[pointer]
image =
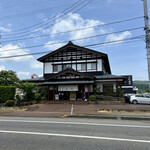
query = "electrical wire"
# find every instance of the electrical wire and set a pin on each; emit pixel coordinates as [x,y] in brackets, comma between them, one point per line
[51,51]
[111,23]
[131,29]
[136,40]
[45,22]
[136,37]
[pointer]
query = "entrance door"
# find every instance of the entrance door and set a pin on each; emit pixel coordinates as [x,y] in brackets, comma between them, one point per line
[73,96]
[51,95]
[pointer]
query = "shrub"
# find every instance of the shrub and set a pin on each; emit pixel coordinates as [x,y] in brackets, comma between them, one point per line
[18,97]
[108,92]
[43,98]
[97,91]
[37,96]
[119,93]
[42,90]
[6,93]
[9,103]
[28,89]
[92,98]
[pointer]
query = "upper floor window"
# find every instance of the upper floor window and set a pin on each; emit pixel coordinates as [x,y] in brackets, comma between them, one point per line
[91,66]
[79,66]
[57,68]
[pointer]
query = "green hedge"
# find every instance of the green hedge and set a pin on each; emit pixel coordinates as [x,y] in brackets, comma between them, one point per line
[9,103]
[7,93]
[92,98]
[37,96]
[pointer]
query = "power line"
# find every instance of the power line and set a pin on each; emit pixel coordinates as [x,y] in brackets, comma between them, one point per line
[73,39]
[51,51]
[136,40]
[45,22]
[116,22]
[131,29]
[102,43]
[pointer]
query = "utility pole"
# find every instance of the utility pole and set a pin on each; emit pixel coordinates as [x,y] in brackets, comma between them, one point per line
[147,36]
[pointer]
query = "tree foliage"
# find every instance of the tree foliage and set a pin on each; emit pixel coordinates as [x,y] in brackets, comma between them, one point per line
[8,78]
[28,89]
[141,85]
[7,93]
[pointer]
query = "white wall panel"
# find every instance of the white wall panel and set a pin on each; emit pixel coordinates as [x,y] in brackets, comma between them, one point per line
[48,67]
[99,65]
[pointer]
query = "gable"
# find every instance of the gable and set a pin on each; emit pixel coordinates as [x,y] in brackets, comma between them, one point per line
[70,73]
[71,52]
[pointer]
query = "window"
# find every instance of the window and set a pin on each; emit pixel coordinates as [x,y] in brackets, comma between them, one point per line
[66,66]
[91,66]
[74,66]
[138,95]
[78,66]
[57,68]
[147,96]
[83,67]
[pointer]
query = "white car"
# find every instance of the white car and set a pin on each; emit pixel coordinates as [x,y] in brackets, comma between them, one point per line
[140,99]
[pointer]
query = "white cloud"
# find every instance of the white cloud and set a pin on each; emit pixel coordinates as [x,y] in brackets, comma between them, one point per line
[75,22]
[121,36]
[12,52]
[51,46]
[23,59]
[22,74]
[5,29]
[36,65]
[2,67]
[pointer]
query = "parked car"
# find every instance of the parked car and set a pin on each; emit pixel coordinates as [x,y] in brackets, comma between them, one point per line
[140,99]
[127,97]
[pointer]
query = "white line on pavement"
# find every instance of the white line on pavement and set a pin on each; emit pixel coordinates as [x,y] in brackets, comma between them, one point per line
[76,123]
[75,136]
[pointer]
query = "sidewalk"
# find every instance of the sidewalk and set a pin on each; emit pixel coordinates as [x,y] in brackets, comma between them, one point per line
[101,111]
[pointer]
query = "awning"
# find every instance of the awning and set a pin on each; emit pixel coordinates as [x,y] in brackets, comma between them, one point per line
[66,82]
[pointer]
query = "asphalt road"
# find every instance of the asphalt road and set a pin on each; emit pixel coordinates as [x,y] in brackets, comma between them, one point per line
[73,134]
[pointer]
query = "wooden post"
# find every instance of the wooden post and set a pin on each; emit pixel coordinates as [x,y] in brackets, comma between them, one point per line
[48,93]
[82,91]
[54,92]
[88,92]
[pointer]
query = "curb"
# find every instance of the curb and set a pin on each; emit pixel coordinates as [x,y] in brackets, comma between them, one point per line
[110,117]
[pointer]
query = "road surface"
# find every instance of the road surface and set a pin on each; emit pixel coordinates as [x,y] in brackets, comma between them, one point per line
[73,134]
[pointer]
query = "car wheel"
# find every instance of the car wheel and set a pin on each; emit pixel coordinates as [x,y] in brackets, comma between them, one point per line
[135,102]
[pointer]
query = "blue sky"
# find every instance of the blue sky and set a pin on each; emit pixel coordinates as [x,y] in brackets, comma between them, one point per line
[18,19]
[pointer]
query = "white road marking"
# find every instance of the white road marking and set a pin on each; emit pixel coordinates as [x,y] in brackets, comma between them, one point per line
[75,136]
[76,123]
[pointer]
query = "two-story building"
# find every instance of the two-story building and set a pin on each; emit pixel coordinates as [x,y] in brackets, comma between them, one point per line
[72,72]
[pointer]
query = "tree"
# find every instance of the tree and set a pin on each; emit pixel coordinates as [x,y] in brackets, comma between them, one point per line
[28,89]
[147,91]
[8,78]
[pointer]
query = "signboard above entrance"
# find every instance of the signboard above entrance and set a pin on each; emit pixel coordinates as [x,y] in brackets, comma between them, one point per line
[67,87]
